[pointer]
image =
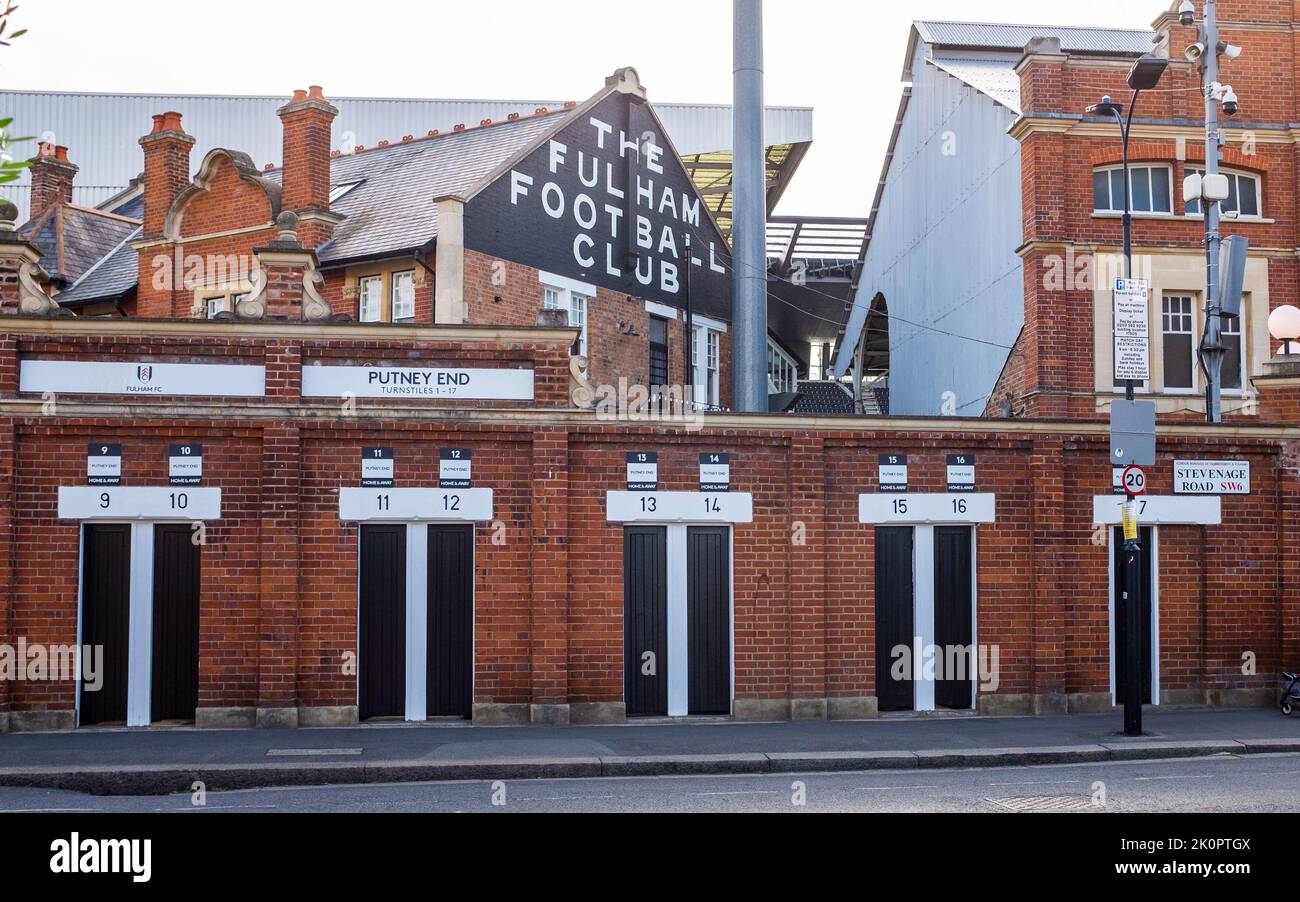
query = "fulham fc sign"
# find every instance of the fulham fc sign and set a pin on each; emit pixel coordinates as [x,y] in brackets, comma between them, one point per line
[605,201]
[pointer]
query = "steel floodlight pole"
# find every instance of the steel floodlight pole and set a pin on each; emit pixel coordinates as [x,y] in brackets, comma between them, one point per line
[749,220]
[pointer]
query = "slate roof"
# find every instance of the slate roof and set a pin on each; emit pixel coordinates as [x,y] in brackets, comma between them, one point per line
[73,239]
[392,211]
[113,277]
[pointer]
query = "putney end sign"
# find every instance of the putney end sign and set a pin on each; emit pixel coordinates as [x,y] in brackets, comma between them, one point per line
[417,384]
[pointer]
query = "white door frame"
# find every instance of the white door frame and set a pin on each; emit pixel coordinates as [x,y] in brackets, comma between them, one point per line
[679,693]
[923,615]
[417,611]
[139,674]
[1155,614]
[142,509]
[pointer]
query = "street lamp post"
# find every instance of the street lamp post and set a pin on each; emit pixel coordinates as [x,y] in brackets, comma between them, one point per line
[1144,76]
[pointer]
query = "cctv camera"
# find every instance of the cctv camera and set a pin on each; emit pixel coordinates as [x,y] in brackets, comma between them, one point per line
[1229,101]
[1187,13]
[1195,52]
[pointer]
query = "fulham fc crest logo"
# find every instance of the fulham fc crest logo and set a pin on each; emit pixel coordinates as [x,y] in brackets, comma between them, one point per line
[144,374]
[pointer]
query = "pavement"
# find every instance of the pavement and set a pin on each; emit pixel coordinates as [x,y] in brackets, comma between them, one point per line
[163,761]
[1223,784]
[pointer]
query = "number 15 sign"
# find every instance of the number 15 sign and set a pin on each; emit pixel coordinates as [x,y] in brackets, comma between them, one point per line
[925,509]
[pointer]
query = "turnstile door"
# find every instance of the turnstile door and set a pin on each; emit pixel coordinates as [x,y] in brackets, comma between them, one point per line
[645,621]
[895,595]
[708,626]
[106,619]
[450,675]
[175,623]
[381,668]
[1121,617]
[954,626]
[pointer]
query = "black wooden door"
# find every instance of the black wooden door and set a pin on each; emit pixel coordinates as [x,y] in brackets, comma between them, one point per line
[895,587]
[175,623]
[645,620]
[1121,617]
[708,619]
[953,618]
[106,619]
[382,667]
[450,675]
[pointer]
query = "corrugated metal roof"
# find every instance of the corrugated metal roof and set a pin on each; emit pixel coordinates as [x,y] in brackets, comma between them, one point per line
[102,130]
[1015,37]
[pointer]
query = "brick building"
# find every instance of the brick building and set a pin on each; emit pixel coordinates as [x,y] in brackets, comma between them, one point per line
[294,513]
[489,224]
[1028,331]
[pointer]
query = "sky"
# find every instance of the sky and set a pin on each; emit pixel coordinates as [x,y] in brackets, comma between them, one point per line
[842,58]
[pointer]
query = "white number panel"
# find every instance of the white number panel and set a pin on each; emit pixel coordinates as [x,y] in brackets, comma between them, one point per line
[925,509]
[680,507]
[1161,510]
[116,503]
[416,505]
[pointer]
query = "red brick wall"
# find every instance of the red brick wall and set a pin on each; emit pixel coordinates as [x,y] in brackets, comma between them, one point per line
[279,570]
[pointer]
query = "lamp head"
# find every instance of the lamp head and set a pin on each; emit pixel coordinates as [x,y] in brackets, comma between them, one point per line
[1146,72]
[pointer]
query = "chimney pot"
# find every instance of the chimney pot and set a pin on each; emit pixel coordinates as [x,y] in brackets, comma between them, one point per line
[52,177]
[307,123]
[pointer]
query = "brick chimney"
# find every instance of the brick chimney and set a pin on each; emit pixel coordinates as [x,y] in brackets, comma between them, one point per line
[308,118]
[52,176]
[166,169]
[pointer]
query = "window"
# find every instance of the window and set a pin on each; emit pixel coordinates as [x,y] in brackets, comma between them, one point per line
[1244,196]
[222,303]
[658,352]
[1152,189]
[711,364]
[782,373]
[574,303]
[1179,331]
[338,192]
[1233,371]
[403,297]
[368,298]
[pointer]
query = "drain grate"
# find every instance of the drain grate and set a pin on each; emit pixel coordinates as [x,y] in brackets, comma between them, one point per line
[1044,803]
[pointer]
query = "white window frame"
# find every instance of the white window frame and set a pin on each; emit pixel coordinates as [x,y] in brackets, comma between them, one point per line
[1237,175]
[1242,335]
[1192,343]
[786,366]
[706,383]
[572,296]
[1117,203]
[378,282]
[407,275]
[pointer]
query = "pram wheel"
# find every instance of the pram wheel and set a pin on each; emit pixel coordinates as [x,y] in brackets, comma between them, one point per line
[1286,708]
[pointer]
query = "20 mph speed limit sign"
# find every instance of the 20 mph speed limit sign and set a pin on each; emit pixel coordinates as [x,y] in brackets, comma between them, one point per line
[1135,481]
